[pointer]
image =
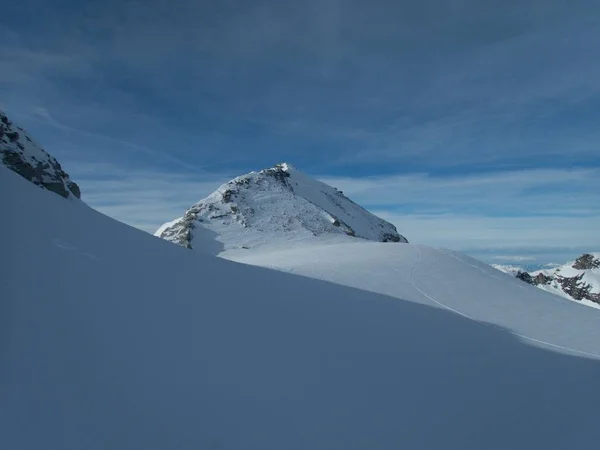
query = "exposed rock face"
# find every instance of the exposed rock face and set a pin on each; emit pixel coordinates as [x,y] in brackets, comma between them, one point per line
[524,276]
[22,155]
[586,262]
[575,287]
[278,203]
[540,278]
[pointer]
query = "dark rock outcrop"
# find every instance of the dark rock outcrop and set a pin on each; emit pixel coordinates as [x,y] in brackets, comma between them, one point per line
[524,276]
[536,280]
[22,155]
[573,286]
[586,262]
[540,278]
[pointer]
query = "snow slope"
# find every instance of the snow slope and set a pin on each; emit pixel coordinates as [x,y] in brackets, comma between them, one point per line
[20,153]
[443,279]
[113,339]
[274,205]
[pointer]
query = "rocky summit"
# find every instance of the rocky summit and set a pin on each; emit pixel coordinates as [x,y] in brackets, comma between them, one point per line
[22,155]
[578,280]
[276,204]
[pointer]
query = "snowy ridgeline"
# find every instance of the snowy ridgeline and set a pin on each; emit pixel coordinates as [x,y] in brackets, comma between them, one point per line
[21,154]
[111,338]
[577,280]
[279,204]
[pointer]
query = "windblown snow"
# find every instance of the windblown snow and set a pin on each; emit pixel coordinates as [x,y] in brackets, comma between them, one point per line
[111,338]
[279,204]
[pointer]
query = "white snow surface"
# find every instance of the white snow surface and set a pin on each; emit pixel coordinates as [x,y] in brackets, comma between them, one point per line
[443,279]
[111,338]
[275,205]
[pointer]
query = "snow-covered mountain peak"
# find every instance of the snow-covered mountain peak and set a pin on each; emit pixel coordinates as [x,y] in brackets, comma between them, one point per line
[286,167]
[21,154]
[576,280]
[273,205]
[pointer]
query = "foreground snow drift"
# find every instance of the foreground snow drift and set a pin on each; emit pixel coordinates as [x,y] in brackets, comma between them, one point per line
[111,338]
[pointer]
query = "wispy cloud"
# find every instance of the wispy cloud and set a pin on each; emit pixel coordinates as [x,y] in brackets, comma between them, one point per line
[44,114]
[514,258]
[478,234]
[144,199]
[529,213]
[388,82]
[523,192]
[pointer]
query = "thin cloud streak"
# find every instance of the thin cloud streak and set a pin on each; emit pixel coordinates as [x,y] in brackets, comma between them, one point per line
[492,85]
[40,112]
[478,233]
[528,192]
[144,199]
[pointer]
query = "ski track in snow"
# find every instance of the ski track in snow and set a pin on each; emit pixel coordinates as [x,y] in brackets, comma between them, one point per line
[449,308]
[443,305]
[59,243]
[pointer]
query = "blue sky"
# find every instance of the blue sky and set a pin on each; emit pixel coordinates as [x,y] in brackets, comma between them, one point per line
[471,124]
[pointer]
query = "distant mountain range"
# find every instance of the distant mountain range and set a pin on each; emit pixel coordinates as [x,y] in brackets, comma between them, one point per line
[515,268]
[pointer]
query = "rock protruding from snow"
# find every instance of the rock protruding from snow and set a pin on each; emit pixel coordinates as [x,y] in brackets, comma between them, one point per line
[22,155]
[277,204]
[577,280]
[586,262]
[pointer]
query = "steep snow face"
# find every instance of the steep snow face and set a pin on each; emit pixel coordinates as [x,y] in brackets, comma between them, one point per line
[276,204]
[22,155]
[577,280]
[113,339]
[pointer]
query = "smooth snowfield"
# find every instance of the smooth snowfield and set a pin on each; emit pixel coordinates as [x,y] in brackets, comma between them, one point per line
[443,279]
[113,339]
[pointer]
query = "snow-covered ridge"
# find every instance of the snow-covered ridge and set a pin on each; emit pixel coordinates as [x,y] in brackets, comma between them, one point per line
[576,280]
[277,204]
[20,153]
